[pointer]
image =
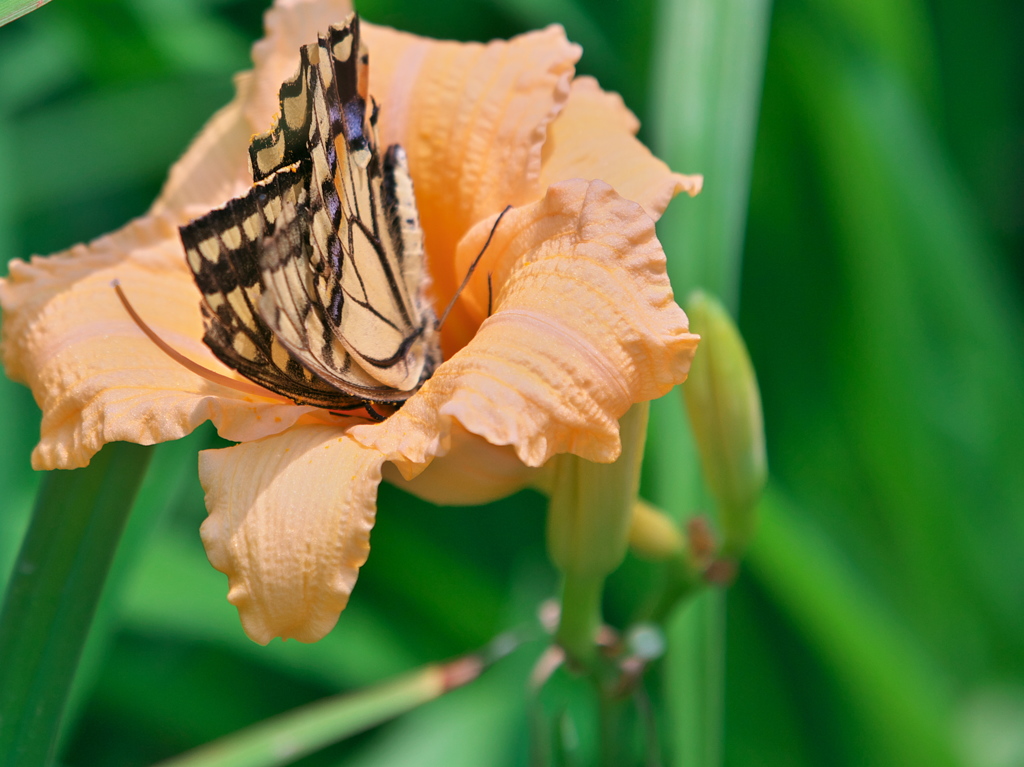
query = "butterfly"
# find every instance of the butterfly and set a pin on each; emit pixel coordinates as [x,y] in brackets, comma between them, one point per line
[314,283]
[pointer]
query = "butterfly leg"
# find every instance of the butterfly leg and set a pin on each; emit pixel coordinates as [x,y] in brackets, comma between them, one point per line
[344,412]
[374,415]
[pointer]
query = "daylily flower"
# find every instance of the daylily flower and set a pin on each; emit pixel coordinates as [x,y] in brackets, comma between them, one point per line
[583,322]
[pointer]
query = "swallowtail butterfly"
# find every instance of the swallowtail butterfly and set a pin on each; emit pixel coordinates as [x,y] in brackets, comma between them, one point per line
[314,283]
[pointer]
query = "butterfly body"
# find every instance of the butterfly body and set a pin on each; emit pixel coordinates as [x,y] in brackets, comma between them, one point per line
[314,283]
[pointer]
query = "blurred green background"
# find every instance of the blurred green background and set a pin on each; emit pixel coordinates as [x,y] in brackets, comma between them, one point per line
[880,617]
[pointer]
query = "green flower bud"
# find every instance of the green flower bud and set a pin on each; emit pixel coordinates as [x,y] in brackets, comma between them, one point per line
[653,534]
[724,405]
[592,503]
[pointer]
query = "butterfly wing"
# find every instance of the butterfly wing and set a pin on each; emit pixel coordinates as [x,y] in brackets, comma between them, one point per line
[367,255]
[315,281]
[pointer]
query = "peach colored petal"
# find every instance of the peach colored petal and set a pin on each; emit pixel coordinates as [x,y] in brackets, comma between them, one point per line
[584,325]
[97,378]
[290,519]
[472,119]
[471,472]
[594,137]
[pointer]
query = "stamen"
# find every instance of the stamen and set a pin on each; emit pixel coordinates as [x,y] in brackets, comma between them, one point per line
[221,380]
[472,268]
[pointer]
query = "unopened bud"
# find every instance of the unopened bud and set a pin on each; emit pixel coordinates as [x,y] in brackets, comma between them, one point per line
[653,534]
[724,405]
[592,503]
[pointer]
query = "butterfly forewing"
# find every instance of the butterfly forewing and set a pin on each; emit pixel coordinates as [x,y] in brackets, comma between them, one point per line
[314,282]
[287,143]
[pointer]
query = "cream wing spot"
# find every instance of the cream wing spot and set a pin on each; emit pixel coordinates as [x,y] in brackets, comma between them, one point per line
[343,48]
[210,249]
[271,157]
[232,237]
[236,299]
[294,109]
[279,355]
[252,227]
[245,347]
[272,209]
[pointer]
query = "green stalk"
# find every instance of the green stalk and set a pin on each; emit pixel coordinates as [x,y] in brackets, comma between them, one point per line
[581,617]
[52,595]
[708,67]
[588,531]
[13,9]
[695,677]
[287,738]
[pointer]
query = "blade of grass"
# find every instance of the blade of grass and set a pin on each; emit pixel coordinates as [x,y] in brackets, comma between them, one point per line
[171,474]
[52,595]
[707,72]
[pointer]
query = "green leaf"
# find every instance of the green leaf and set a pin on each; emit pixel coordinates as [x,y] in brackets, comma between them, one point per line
[930,352]
[53,592]
[707,73]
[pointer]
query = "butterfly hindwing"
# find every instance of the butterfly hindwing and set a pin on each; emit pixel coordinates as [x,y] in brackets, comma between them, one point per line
[378,316]
[297,320]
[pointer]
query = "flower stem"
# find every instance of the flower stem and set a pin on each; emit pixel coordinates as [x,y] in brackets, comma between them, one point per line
[614,728]
[695,675]
[581,617]
[290,736]
[588,530]
[52,595]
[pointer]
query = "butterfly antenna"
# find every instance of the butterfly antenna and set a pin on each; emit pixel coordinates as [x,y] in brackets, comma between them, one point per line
[490,295]
[472,268]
